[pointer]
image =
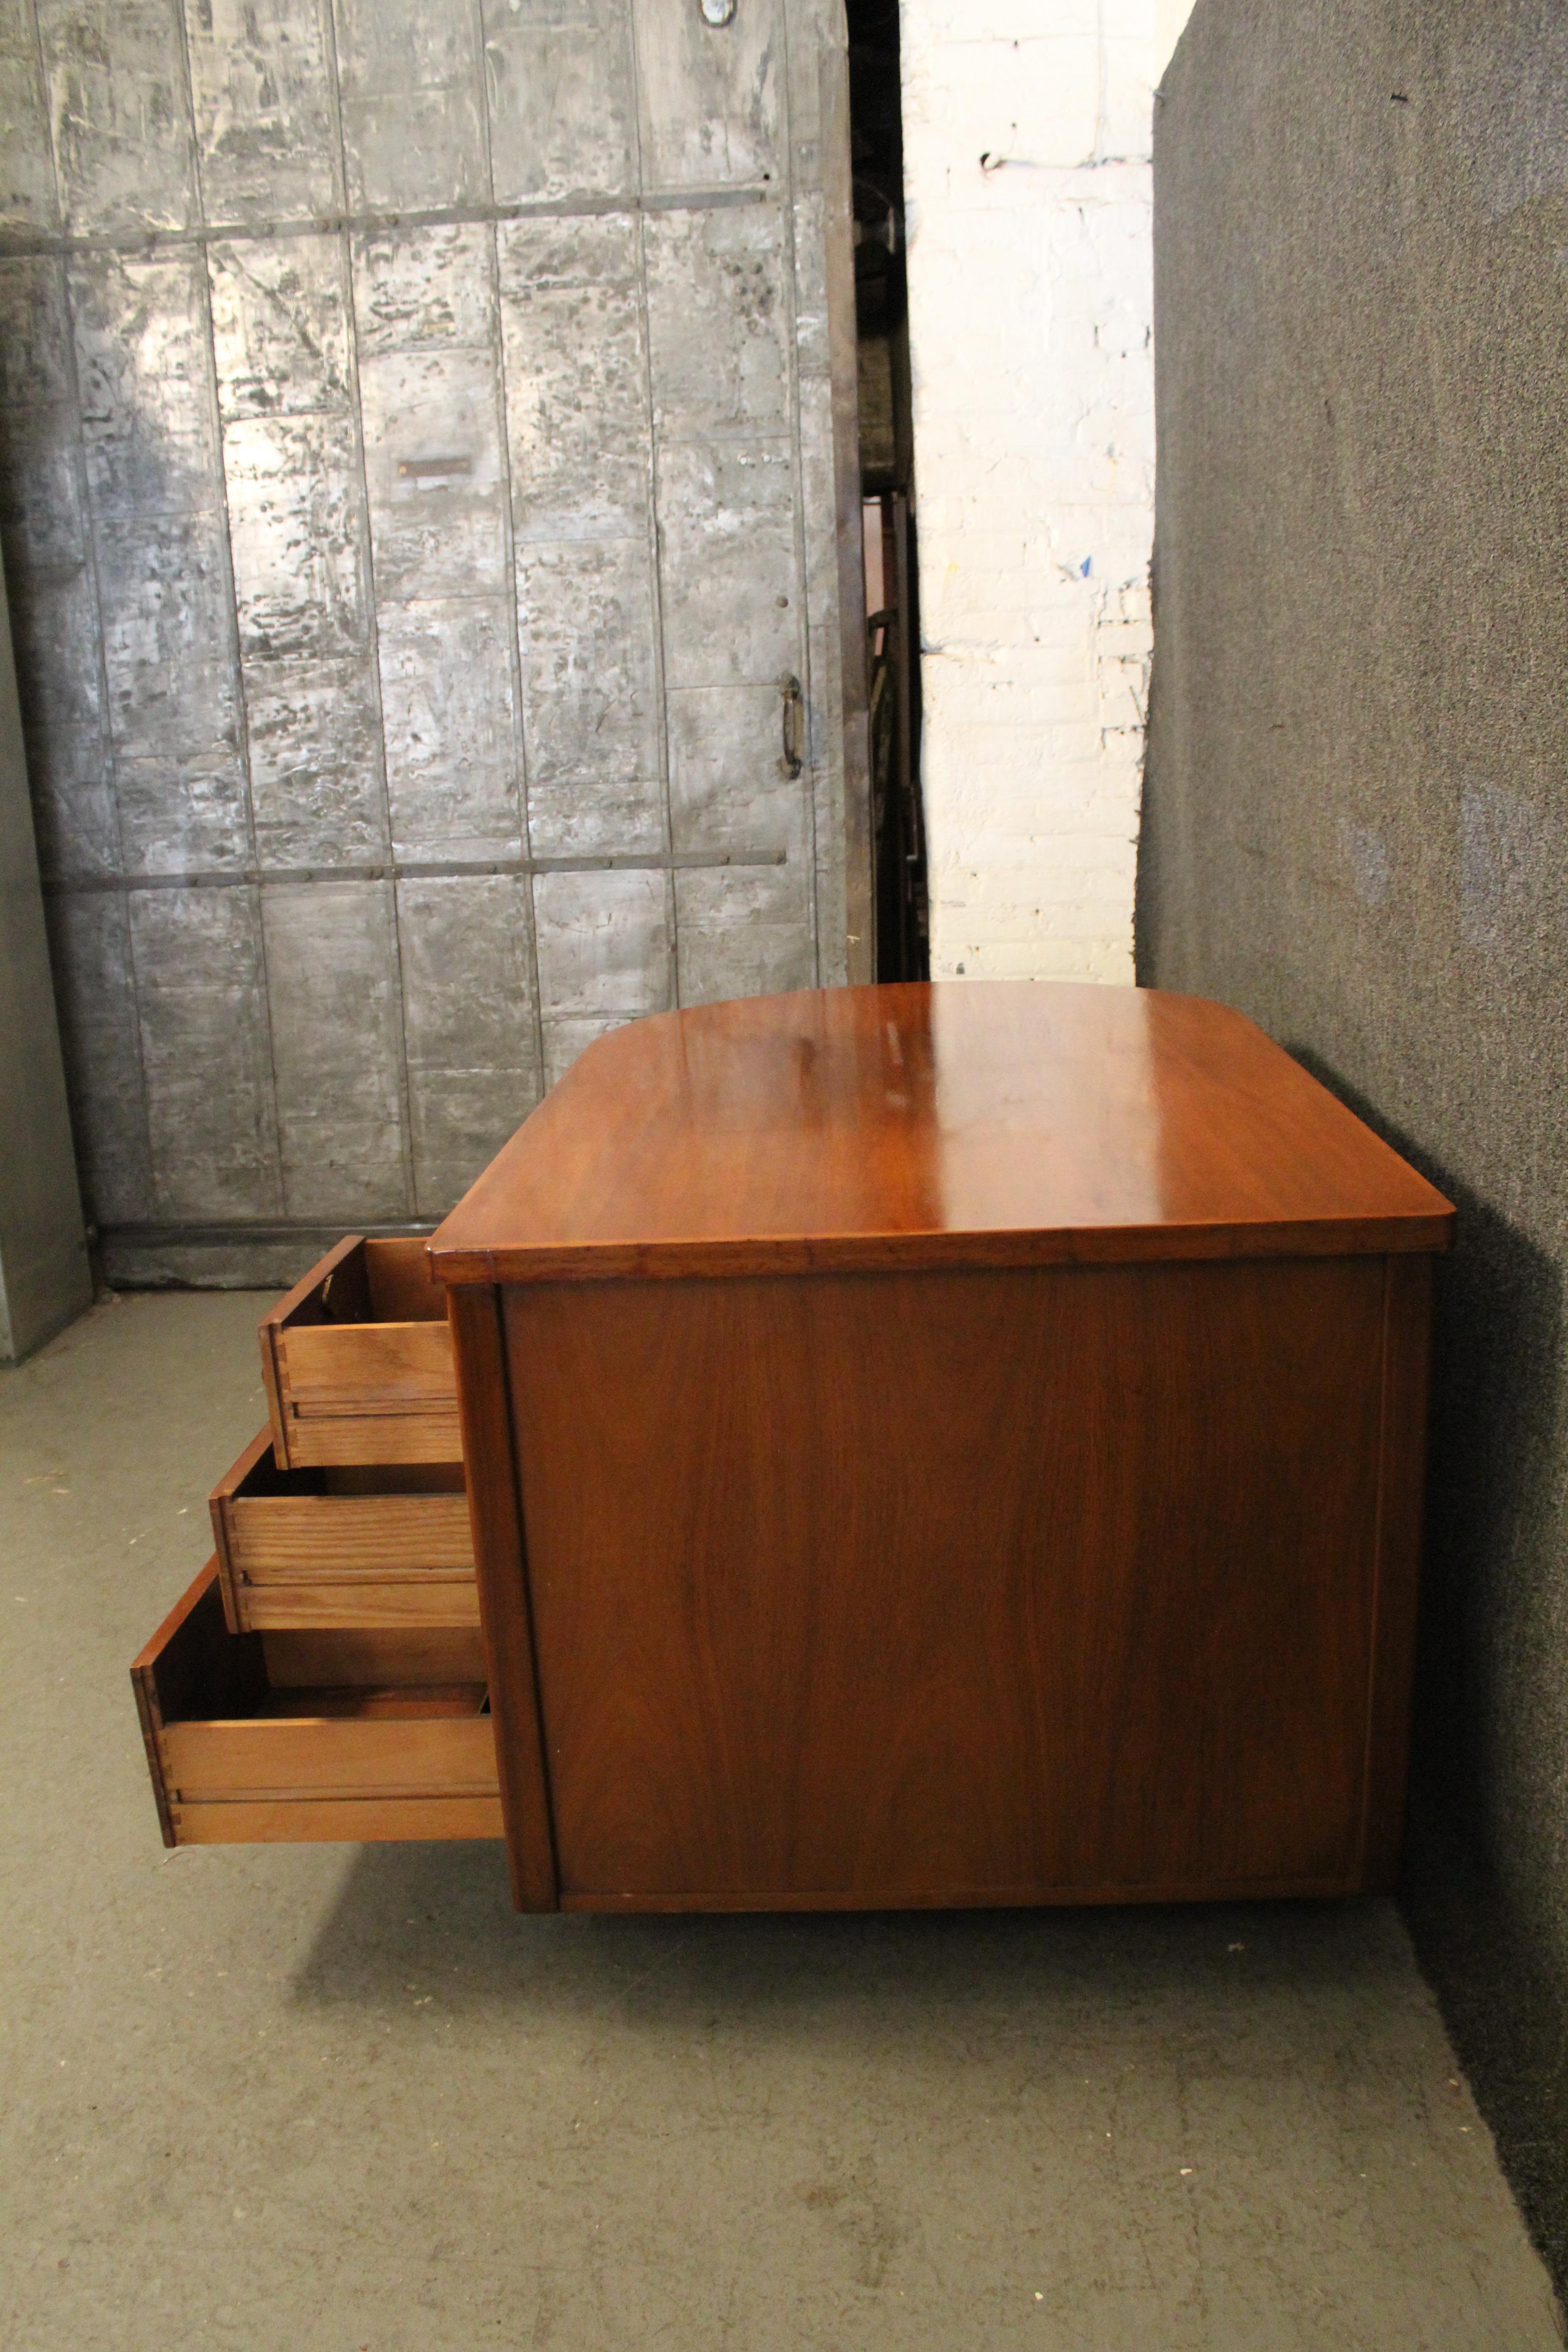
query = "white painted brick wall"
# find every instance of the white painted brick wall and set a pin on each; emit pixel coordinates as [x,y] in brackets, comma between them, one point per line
[1030,334]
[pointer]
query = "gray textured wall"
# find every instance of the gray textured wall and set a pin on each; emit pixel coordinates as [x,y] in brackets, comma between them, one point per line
[1356,819]
[417,465]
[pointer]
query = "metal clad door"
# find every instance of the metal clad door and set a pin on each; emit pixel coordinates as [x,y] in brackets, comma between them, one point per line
[437,652]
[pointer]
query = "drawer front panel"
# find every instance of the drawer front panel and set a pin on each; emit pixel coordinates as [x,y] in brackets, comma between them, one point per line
[330,1439]
[327,1602]
[368,1367]
[306,1756]
[284,1537]
[363,1819]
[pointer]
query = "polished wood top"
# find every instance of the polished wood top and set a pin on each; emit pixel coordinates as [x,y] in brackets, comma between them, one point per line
[965,1123]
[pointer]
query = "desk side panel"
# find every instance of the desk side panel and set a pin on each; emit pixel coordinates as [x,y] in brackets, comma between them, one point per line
[948,1588]
[1407,1385]
[501,1570]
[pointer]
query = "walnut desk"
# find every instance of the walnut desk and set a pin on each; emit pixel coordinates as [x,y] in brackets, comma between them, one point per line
[954,1445]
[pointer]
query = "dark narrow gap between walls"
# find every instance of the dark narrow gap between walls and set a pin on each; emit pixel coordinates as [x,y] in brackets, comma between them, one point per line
[887,489]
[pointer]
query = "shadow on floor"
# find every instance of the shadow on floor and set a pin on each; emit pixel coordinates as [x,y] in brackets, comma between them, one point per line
[444,1912]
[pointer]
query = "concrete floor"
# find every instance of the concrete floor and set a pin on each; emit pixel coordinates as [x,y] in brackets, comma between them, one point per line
[340,2097]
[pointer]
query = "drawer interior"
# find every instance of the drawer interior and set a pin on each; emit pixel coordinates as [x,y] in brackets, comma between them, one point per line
[351,1544]
[370,1732]
[373,1658]
[361,1281]
[256,1477]
[362,1340]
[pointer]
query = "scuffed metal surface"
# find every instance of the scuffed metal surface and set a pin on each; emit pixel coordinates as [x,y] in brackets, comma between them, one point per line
[431,402]
[585,627]
[726,519]
[813,347]
[318,793]
[295,517]
[40,505]
[123,141]
[143,369]
[718,322]
[424,288]
[577,418]
[562,118]
[407,549]
[712,101]
[450,714]
[280,325]
[604,957]
[27,166]
[261,98]
[435,466]
[744,934]
[173,691]
[35,332]
[411,78]
[728,785]
[337,1049]
[298,538]
[201,999]
[473,1044]
[435,534]
[95,991]
[161,556]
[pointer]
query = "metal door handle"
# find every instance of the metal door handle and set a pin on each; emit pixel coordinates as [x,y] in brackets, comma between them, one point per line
[794,715]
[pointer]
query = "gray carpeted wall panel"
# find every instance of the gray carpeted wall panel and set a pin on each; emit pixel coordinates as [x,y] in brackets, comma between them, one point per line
[1356,819]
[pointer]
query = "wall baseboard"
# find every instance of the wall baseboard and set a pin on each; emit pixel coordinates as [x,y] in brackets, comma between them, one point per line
[240,1256]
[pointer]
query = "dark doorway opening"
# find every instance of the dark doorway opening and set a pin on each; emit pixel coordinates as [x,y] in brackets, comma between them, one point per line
[887,481]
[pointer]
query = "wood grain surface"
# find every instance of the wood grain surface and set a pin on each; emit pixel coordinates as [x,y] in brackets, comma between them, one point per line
[357,1360]
[285,1535]
[321,1548]
[352,1438]
[406,1602]
[505,1612]
[961,1587]
[380,1656]
[309,1756]
[356,1820]
[967,1123]
[236,1753]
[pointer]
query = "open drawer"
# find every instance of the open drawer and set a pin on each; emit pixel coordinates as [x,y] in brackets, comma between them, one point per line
[357,1360]
[314,1735]
[385,1546]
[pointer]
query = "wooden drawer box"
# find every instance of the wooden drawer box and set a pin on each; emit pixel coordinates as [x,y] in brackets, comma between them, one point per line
[314,1735]
[385,1546]
[357,1360]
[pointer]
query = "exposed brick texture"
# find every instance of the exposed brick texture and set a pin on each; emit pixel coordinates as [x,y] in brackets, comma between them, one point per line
[1027,140]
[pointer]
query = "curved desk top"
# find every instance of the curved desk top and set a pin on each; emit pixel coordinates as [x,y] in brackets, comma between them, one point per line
[963,1123]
